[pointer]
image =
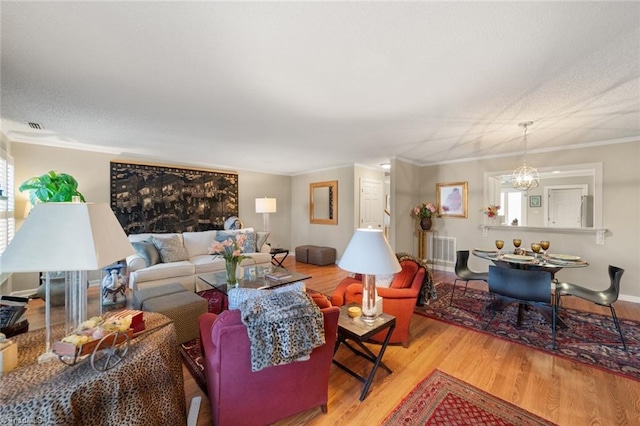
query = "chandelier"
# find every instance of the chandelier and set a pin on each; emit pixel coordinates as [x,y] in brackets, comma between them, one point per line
[524,177]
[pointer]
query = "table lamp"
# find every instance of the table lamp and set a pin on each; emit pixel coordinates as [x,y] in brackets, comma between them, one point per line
[369,254]
[76,237]
[265,206]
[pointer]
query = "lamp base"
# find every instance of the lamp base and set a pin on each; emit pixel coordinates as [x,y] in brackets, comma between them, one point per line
[369,318]
[47,357]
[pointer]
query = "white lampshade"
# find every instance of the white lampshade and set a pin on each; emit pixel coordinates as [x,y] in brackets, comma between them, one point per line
[265,205]
[66,237]
[369,252]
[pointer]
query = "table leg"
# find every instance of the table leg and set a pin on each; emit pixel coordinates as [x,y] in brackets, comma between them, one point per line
[377,363]
[276,262]
[368,355]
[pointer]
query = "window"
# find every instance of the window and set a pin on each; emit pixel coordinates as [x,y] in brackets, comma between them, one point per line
[7,201]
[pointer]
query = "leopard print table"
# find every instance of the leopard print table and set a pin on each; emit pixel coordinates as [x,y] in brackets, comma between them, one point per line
[146,388]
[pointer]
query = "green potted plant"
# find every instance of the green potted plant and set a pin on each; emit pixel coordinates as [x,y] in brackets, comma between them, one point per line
[51,187]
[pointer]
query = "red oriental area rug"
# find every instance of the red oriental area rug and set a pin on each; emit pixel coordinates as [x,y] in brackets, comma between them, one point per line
[441,399]
[588,338]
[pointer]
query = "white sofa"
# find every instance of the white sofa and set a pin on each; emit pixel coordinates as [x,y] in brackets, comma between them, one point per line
[143,275]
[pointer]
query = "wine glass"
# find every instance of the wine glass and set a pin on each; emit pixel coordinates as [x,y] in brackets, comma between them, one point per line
[536,248]
[499,245]
[544,245]
[517,242]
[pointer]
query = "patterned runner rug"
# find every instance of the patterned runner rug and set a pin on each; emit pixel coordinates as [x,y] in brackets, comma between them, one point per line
[589,338]
[441,399]
[192,358]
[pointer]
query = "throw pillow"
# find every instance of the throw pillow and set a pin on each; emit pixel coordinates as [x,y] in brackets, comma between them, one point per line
[384,280]
[147,251]
[238,295]
[261,239]
[248,246]
[170,248]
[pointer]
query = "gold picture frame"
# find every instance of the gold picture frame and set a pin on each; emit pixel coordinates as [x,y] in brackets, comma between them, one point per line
[452,199]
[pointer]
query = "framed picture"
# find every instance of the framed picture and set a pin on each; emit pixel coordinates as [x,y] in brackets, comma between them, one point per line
[452,199]
[535,201]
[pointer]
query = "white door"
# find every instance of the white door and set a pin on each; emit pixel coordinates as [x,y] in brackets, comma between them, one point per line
[564,205]
[371,204]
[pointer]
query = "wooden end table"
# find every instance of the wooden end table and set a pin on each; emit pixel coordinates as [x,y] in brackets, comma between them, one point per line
[359,331]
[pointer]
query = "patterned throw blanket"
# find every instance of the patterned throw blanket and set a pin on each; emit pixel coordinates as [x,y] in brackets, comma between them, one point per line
[282,327]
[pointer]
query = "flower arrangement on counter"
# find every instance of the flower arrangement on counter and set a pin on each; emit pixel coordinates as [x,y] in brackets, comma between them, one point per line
[424,210]
[491,211]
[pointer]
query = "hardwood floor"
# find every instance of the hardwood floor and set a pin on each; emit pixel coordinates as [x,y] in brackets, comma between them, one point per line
[562,391]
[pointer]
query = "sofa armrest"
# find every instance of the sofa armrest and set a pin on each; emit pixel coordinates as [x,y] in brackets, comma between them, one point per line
[135,262]
[205,323]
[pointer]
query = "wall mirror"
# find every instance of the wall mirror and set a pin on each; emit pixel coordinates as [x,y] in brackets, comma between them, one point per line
[323,202]
[568,197]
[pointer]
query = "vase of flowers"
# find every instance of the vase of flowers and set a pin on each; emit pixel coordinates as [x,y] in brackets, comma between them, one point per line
[231,251]
[491,212]
[424,212]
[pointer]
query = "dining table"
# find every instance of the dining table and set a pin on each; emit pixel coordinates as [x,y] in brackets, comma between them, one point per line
[524,259]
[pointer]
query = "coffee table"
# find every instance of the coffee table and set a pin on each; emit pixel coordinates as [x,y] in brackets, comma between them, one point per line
[218,280]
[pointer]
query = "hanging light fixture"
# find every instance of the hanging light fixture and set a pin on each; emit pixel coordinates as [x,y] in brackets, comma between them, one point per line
[524,177]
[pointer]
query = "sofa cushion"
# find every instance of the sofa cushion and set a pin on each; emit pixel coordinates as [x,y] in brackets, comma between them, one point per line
[197,243]
[261,239]
[165,270]
[147,251]
[170,247]
[206,263]
[239,295]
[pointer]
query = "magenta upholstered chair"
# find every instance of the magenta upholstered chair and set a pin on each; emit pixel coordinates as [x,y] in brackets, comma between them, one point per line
[241,397]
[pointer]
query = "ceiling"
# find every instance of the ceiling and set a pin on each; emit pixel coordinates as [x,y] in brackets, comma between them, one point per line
[289,87]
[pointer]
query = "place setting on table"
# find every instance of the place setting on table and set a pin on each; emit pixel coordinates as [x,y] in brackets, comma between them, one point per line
[539,257]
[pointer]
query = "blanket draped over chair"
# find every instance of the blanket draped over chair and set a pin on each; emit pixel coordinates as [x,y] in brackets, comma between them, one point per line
[282,327]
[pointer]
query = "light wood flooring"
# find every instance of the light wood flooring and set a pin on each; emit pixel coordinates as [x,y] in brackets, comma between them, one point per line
[562,391]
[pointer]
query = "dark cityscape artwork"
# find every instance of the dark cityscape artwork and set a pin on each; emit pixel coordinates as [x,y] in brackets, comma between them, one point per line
[148,198]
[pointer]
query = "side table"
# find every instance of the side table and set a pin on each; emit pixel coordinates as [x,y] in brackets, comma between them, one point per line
[275,261]
[359,331]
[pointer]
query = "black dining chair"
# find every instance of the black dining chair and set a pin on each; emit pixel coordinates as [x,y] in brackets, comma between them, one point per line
[463,273]
[526,287]
[599,297]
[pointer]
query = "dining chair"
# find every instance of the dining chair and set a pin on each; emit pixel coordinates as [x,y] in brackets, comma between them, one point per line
[599,297]
[526,287]
[463,273]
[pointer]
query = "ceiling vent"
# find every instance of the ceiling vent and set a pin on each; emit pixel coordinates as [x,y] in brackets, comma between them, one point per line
[36,126]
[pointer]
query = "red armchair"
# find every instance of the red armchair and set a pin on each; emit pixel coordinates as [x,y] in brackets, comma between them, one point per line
[399,299]
[241,397]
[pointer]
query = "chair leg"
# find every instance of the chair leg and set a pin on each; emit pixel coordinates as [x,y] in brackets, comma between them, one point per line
[484,311]
[617,324]
[466,284]
[554,312]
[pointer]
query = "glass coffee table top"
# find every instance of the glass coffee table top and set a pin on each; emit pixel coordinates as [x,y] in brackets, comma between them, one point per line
[218,280]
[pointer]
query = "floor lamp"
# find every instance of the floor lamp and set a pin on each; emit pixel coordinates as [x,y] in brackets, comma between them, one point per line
[369,254]
[75,237]
[265,206]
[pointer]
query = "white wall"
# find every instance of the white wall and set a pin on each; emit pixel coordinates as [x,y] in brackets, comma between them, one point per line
[91,169]
[336,236]
[621,213]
